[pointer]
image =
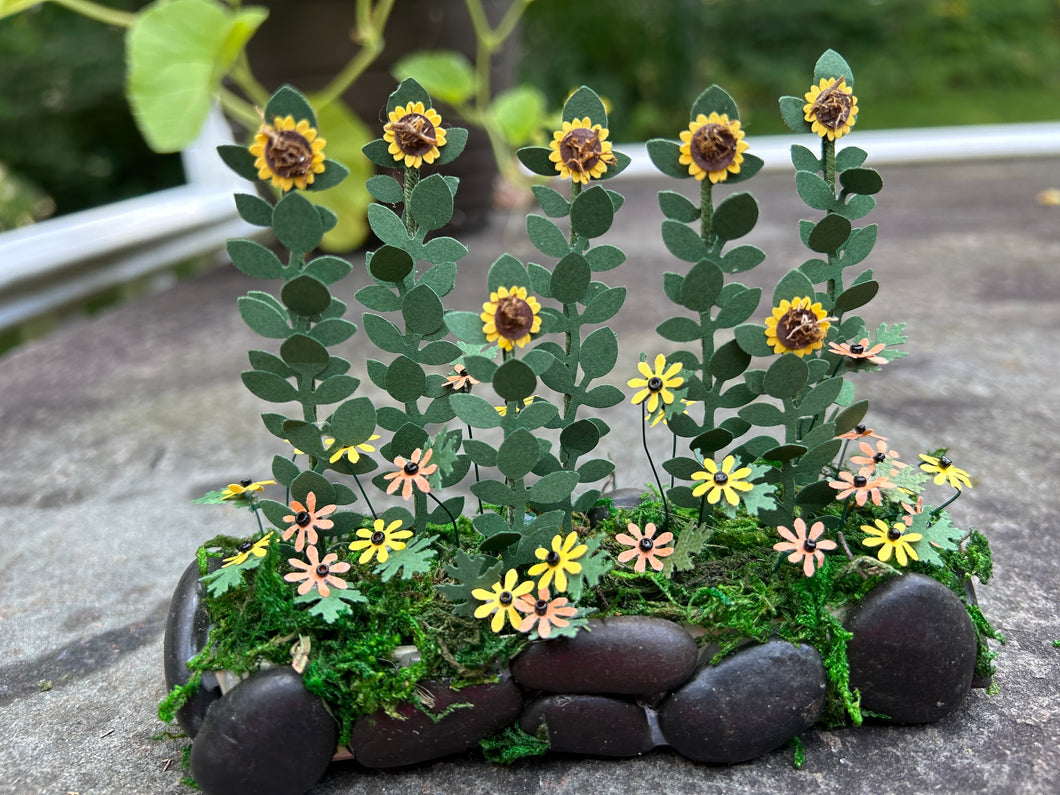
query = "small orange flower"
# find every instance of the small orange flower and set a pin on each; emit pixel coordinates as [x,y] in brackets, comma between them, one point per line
[878,456]
[644,546]
[306,521]
[411,472]
[860,432]
[317,573]
[460,381]
[859,350]
[912,510]
[805,547]
[863,485]
[544,612]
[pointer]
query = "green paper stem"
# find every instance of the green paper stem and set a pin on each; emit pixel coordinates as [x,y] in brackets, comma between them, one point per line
[651,463]
[828,157]
[948,502]
[409,183]
[673,454]
[474,464]
[364,494]
[706,209]
[456,531]
[257,515]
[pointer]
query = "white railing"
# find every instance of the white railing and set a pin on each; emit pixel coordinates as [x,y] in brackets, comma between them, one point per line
[61,263]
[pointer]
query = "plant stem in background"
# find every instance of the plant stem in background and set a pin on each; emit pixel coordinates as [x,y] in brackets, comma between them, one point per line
[369,34]
[108,16]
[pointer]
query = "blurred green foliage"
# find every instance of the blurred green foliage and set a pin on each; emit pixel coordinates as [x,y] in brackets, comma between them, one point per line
[923,62]
[66,124]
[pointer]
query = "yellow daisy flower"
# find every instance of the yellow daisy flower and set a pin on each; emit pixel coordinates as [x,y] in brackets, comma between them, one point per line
[891,539]
[656,383]
[510,317]
[289,153]
[712,147]
[831,107]
[581,150]
[558,561]
[352,452]
[414,133]
[379,540]
[241,490]
[722,481]
[798,326]
[501,601]
[944,470]
[246,549]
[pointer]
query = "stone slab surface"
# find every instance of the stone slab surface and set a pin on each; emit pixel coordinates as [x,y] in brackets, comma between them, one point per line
[110,427]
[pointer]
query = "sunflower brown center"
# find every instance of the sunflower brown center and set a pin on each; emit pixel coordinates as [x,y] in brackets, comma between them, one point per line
[414,134]
[799,328]
[713,147]
[288,153]
[302,518]
[580,150]
[832,106]
[721,478]
[505,598]
[541,607]
[378,537]
[322,570]
[411,468]
[552,558]
[809,545]
[646,545]
[860,481]
[894,533]
[514,317]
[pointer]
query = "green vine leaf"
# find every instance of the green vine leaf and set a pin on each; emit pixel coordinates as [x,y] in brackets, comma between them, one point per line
[469,573]
[416,558]
[333,606]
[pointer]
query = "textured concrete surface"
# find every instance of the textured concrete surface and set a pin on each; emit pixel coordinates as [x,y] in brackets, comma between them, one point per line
[110,427]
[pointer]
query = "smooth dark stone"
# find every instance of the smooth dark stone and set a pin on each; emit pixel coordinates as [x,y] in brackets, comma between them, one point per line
[620,498]
[380,740]
[266,735]
[596,725]
[187,627]
[752,702]
[624,655]
[913,651]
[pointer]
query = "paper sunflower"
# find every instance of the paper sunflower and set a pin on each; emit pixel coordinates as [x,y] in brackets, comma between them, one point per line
[289,153]
[581,150]
[798,326]
[712,147]
[831,108]
[510,317]
[415,134]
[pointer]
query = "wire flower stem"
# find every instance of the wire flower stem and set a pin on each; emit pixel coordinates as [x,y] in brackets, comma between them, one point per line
[651,463]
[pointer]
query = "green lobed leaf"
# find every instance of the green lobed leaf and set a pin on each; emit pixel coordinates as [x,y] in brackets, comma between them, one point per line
[762,414]
[821,397]
[583,103]
[455,143]
[715,100]
[353,421]
[506,271]
[383,333]
[553,488]
[849,157]
[305,296]
[729,361]
[269,386]
[592,213]
[580,437]
[803,159]
[604,258]
[390,264]
[865,181]
[832,64]
[254,259]
[377,151]
[493,492]
[384,188]
[679,329]
[570,279]
[735,217]
[262,317]
[517,454]
[857,206]
[289,101]
[810,465]
[785,377]
[791,110]
[332,331]
[552,202]
[304,355]
[677,207]
[546,236]
[859,245]
[334,389]
[742,258]
[297,223]
[327,269]
[239,159]
[536,159]
[431,203]
[857,295]
[851,416]
[814,190]
[514,380]
[262,360]
[665,154]
[387,225]
[599,352]
[443,250]
[466,326]
[829,235]
[702,286]
[603,396]
[738,307]
[791,286]
[405,379]
[475,411]
[422,310]
[604,305]
[683,241]
[253,209]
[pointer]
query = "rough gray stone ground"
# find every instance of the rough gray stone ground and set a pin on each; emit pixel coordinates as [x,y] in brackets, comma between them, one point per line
[110,427]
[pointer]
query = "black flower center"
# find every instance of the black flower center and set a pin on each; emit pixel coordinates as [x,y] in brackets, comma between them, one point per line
[514,317]
[860,481]
[302,518]
[552,558]
[411,468]
[541,607]
[879,458]
[894,533]
[245,546]
[414,134]
[288,153]
[322,570]
[505,598]
[799,328]
[713,147]
[721,478]
[944,462]
[580,149]
[655,383]
[857,349]
[378,537]
[245,483]
[860,429]
[809,545]
[646,545]
[832,106]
